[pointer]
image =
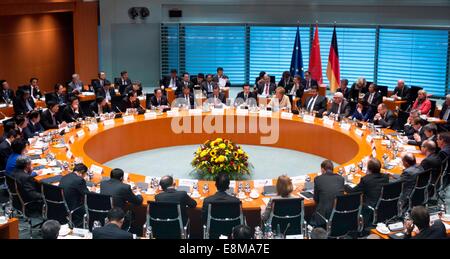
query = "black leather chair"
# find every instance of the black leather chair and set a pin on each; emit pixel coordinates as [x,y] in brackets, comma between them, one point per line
[97,207]
[436,179]
[383,90]
[222,218]
[388,205]
[419,194]
[443,181]
[402,118]
[4,196]
[165,221]
[287,215]
[433,108]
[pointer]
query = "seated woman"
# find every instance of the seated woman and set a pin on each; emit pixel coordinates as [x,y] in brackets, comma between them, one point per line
[280,101]
[284,190]
[422,104]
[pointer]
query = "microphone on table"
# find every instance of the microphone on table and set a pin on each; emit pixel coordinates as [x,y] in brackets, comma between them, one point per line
[117,108]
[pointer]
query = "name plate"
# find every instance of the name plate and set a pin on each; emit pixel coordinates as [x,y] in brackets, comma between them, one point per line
[287,115]
[267,114]
[369,139]
[348,168]
[187,182]
[108,122]
[232,185]
[374,153]
[242,112]
[172,113]
[129,118]
[96,169]
[93,127]
[359,132]
[308,118]
[80,133]
[150,115]
[298,179]
[262,183]
[346,126]
[69,154]
[328,122]
[195,112]
[72,140]
[218,112]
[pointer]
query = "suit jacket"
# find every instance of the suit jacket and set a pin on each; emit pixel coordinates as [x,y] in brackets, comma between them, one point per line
[122,84]
[221,97]
[205,87]
[240,98]
[376,100]
[309,84]
[435,231]
[101,92]
[127,104]
[154,101]
[69,115]
[216,79]
[28,188]
[346,92]
[434,163]
[355,92]
[93,108]
[191,99]
[409,178]
[370,185]
[261,87]
[166,81]
[286,84]
[110,231]
[20,106]
[404,93]
[442,113]
[387,121]
[180,197]
[5,152]
[36,93]
[47,121]
[59,99]
[218,196]
[298,93]
[32,130]
[422,135]
[326,187]
[182,84]
[6,95]
[345,108]
[320,105]
[120,192]
[74,188]
[97,84]
[72,86]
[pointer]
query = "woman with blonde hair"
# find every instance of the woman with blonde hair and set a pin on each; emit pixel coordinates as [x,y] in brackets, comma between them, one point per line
[284,190]
[422,104]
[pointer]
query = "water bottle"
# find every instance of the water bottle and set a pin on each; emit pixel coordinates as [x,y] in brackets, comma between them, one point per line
[149,232]
[97,224]
[258,233]
[205,188]
[268,231]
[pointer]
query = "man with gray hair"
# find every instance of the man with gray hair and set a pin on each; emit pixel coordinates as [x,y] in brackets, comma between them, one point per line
[409,174]
[445,113]
[266,88]
[339,106]
[75,86]
[26,184]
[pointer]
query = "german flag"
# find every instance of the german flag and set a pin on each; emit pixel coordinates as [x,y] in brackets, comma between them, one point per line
[333,70]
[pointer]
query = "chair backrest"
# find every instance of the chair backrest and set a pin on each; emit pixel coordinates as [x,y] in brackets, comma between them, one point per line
[419,194]
[97,207]
[148,98]
[433,108]
[288,214]
[165,220]
[402,118]
[388,205]
[383,90]
[222,217]
[345,216]
[2,177]
[442,180]
[14,196]
[413,92]
[55,204]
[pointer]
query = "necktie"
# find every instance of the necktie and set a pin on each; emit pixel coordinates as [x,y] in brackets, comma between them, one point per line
[339,109]
[28,106]
[210,87]
[446,114]
[100,109]
[159,102]
[311,104]
[266,89]
[53,119]
[245,97]
[370,98]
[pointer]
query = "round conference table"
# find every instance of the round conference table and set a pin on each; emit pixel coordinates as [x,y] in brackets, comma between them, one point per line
[103,142]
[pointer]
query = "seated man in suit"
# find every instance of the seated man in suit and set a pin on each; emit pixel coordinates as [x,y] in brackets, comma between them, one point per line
[418,134]
[443,142]
[216,97]
[171,194]
[296,89]
[72,111]
[120,192]
[245,96]
[222,185]
[26,184]
[74,188]
[34,126]
[50,118]
[409,175]
[199,79]
[23,103]
[75,86]
[100,82]
[286,80]
[371,101]
[187,98]
[339,106]
[107,91]
[445,113]
[402,92]
[315,103]
[208,85]
[326,187]
[59,96]
[5,147]
[22,124]
[131,101]
[171,81]
[370,185]
[358,88]
[420,218]
[122,82]
[33,88]
[99,107]
[343,88]
[136,86]
[185,82]
[158,100]
[280,102]
[432,160]
[385,117]
[6,94]
[221,79]
[308,82]
[113,230]
[266,88]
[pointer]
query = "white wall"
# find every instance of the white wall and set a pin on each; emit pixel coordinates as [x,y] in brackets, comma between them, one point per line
[134,46]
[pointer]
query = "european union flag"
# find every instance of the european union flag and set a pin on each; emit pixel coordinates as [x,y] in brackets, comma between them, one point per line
[297,58]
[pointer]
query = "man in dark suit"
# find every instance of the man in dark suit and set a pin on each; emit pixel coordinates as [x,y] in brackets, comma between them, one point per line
[170,194]
[245,95]
[371,101]
[308,82]
[185,82]
[445,113]
[33,88]
[419,133]
[187,98]
[158,99]
[100,82]
[296,89]
[23,103]
[443,142]
[74,188]
[5,147]
[34,126]
[171,81]
[431,161]
[409,175]
[59,96]
[420,218]
[343,88]
[326,187]
[75,86]
[266,88]
[221,79]
[370,185]
[100,106]
[113,230]
[402,92]
[216,97]
[339,106]
[26,184]
[72,112]
[131,101]
[122,82]
[106,91]
[120,192]
[50,118]
[222,185]
[6,94]
[208,85]
[315,102]
[385,117]
[286,80]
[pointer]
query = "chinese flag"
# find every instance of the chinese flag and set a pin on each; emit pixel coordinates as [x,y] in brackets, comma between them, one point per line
[315,61]
[333,70]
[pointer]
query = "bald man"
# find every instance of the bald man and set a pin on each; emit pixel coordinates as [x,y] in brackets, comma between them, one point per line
[402,92]
[385,117]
